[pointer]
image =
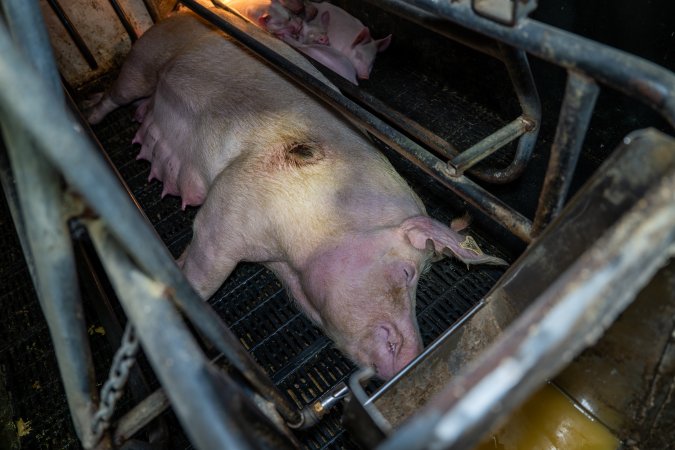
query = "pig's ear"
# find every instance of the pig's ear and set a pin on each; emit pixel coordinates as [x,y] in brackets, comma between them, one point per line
[424,233]
[263,19]
[362,37]
[325,19]
[302,154]
[383,43]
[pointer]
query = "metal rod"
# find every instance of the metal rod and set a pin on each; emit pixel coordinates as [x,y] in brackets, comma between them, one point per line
[126,23]
[59,138]
[40,195]
[478,152]
[191,384]
[74,35]
[26,25]
[462,186]
[399,120]
[575,115]
[518,68]
[632,75]
[570,315]
[140,416]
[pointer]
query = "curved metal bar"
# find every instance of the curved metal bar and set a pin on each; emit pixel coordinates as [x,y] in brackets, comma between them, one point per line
[630,74]
[518,68]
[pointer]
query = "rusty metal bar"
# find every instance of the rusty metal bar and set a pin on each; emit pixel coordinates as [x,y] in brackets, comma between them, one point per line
[568,316]
[481,150]
[399,120]
[74,35]
[632,75]
[506,216]
[575,115]
[124,19]
[518,68]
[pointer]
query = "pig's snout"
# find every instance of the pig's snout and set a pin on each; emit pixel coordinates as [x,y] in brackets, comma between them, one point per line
[393,350]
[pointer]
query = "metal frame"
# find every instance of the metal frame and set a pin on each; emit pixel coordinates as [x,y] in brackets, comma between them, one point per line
[45,142]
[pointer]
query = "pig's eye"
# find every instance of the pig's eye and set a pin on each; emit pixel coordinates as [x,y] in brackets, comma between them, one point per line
[409,272]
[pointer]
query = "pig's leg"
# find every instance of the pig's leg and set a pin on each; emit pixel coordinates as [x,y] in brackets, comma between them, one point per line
[147,57]
[215,248]
[131,85]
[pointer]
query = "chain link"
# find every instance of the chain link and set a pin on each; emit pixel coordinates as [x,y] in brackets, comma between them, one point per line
[113,388]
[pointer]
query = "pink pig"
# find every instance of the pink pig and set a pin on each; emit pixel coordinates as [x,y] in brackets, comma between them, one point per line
[283,181]
[270,15]
[350,37]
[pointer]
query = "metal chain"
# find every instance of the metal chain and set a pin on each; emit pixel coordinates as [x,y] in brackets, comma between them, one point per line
[113,388]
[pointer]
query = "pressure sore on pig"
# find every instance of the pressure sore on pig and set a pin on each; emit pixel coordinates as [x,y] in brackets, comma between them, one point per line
[285,182]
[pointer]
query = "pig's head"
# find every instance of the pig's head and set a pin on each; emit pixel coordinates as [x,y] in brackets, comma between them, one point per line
[363,51]
[363,288]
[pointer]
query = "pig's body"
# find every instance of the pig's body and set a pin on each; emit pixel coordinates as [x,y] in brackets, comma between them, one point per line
[283,182]
[350,37]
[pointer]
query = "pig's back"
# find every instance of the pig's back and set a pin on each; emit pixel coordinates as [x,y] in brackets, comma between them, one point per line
[217,104]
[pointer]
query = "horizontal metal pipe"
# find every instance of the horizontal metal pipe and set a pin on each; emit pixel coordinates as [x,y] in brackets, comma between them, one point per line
[462,186]
[481,150]
[60,139]
[632,75]
[575,115]
[570,315]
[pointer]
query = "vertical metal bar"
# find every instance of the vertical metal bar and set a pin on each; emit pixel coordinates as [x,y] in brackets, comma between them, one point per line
[40,194]
[126,23]
[575,114]
[74,35]
[60,139]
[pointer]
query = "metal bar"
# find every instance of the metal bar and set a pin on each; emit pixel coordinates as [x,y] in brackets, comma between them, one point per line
[462,186]
[570,315]
[575,115]
[140,416]
[481,150]
[634,76]
[74,35]
[41,200]
[197,395]
[399,120]
[59,138]
[126,23]
[518,68]
[25,24]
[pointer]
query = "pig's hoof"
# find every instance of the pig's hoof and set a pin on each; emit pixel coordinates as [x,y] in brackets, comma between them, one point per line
[92,100]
